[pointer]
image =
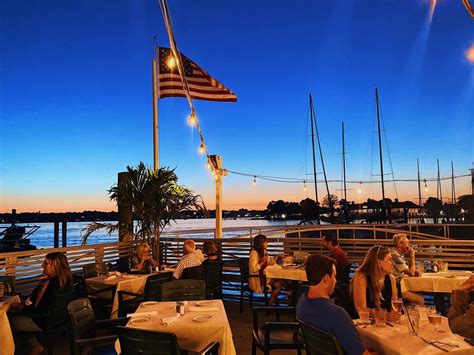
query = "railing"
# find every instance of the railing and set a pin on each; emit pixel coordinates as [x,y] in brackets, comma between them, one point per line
[354,239]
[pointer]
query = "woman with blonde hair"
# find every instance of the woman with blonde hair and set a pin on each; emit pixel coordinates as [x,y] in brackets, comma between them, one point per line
[373,285]
[143,260]
[56,268]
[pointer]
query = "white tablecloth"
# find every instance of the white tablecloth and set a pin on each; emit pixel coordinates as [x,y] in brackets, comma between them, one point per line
[279,272]
[397,341]
[7,344]
[192,335]
[437,282]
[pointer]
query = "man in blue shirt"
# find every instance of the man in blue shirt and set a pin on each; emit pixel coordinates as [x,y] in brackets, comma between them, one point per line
[316,309]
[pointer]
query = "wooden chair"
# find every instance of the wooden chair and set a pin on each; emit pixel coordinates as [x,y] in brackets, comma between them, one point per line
[244,283]
[213,272]
[193,273]
[184,290]
[8,284]
[135,341]
[153,292]
[83,328]
[319,342]
[276,334]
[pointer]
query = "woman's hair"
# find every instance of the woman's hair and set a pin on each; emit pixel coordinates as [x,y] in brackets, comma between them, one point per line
[209,248]
[140,249]
[397,237]
[258,242]
[60,268]
[371,269]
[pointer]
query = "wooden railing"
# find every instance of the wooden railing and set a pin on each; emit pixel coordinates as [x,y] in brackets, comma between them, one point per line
[354,239]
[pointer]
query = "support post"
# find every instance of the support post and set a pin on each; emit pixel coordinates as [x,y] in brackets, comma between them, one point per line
[64,233]
[219,172]
[125,216]
[156,158]
[56,234]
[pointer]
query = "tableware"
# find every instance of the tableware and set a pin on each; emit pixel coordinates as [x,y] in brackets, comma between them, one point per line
[202,318]
[435,319]
[413,320]
[204,303]
[380,315]
[397,304]
[364,316]
[434,344]
[149,303]
[140,320]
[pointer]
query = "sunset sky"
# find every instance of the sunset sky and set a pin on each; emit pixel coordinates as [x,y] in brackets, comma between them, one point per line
[75,96]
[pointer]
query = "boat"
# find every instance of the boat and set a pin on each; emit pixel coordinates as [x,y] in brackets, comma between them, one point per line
[15,238]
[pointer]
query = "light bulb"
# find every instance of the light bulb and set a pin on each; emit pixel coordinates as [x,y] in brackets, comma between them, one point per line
[359,190]
[426,186]
[304,186]
[201,148]
[254,181]
[171,62]
[192,119]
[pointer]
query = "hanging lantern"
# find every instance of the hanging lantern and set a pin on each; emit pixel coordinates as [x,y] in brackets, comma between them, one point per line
[192,119]
[254,180]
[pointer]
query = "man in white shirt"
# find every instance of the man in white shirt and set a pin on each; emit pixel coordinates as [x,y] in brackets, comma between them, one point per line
[188,260]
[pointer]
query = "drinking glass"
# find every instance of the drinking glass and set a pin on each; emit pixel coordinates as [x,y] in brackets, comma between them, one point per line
[435,319]
[413,320]
[397,305]
[380,315]
[364,315]
[444,266]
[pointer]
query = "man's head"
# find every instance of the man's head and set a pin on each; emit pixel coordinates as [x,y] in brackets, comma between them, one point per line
[329,242]
[321,272]
[401,242]
[189,246]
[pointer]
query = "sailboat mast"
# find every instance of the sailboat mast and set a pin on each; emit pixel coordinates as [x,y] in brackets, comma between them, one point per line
[344,163]
[314,153]
[419,182]
[380,152]
[453,186]
[439,192]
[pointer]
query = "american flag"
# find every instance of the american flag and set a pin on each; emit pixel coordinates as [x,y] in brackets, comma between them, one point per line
[201,85]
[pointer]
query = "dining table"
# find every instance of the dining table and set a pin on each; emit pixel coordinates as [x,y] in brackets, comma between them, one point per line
[7,344]
[286,272]
[439,282]
[395,338]
[202,323]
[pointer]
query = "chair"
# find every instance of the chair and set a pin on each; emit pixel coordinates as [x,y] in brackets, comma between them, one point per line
[8,284]
[83,329]
[54,323]
[94,269]
[276,334]
[320,342]
[153,292]
[184,290]
[143,342]
[244,282]
[213,272]
[193,273]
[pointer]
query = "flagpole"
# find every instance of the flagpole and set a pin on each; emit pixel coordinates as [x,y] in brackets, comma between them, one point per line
[156,157]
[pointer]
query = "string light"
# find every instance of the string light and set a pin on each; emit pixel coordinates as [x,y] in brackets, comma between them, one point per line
[171,62]
[359,190]
[192,119]
[201,149]
[304,186]
[426,186]
[254,181]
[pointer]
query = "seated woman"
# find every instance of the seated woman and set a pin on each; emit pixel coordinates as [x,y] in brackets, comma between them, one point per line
[210,250]
[373,285]
[461,313]
[56,268]
[144,261]
[258,261]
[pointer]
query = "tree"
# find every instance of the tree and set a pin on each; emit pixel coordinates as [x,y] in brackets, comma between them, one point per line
[275,209]
[156,199]
[433,208]
[466,202]
[330,201]
[310,210]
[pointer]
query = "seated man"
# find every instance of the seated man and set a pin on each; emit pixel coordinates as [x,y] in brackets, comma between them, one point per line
[188,260]
[316,309]
[461,313]
[401,249]
[330,243]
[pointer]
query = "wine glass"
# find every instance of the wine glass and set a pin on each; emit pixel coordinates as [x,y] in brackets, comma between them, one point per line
[435,319]
[397,305]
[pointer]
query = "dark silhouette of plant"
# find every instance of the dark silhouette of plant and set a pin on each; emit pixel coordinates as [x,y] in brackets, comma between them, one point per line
[433,208]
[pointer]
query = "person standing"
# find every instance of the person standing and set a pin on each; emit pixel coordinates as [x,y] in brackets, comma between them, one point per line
[331,244]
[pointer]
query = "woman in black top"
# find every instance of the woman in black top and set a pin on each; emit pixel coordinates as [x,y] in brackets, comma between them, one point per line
[56,268]
[373,285]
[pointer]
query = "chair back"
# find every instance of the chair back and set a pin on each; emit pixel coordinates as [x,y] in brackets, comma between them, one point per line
[213,272]
[81,322]
[319,342]
[8,284]
[244,270]
[153,285]
[184,290]
[135,341]
[57,313]
[92,270]
[193,273]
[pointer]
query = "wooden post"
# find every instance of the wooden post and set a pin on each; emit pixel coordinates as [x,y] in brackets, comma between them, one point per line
[64,233]
[125,216]
[156,156]
[56,234]
[219,172]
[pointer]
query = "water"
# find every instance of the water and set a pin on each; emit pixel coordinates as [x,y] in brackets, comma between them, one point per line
[43,237]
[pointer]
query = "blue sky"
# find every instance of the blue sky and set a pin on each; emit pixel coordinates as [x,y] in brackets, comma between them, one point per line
[75,95]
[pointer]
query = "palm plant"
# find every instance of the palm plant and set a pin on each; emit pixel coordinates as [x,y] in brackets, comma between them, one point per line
[156,200]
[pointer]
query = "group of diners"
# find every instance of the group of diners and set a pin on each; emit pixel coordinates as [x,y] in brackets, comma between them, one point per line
[375,284]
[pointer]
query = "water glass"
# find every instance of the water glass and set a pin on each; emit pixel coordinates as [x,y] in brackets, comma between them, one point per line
[380,317]
[444,266]
[364,315]
[413,320]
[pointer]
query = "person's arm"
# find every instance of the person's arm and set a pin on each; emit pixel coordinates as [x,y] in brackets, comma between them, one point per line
[178,271]
[411,262]
[359,289]
[254,265]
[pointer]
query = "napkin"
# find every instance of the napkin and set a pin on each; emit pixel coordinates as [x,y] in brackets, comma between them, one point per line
[110,278]
[170,319]
[202,309]
[142,314]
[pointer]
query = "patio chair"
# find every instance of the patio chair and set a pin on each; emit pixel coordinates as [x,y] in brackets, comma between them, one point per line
[213,271]
[244,283]
[193,273]
[320,342]
[153,292]
[55,322]
[83,328]
[94,269]
[276,334]
[135,341]
[8,284]
[184,290]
